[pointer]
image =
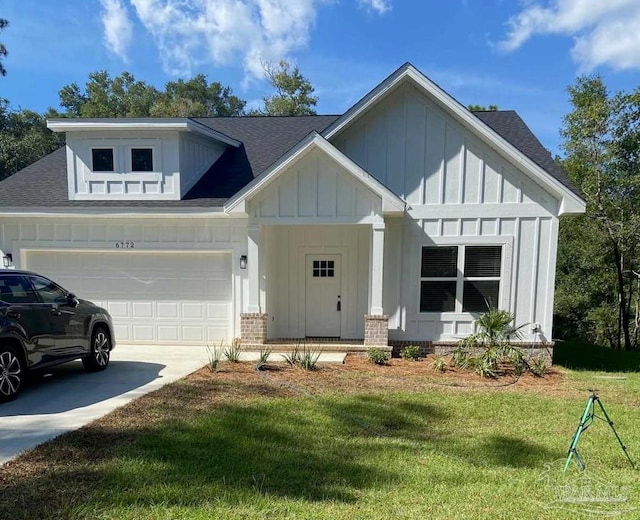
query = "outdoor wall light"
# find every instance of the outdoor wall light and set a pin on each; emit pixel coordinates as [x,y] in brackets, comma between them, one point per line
[243,261]
[7,260]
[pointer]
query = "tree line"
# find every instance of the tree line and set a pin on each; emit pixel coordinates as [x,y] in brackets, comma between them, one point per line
[24,137]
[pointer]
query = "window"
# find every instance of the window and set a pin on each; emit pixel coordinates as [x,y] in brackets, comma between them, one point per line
[463,278]
[102,159]
[141,160]
[48,291]
[15,289]
[323,268]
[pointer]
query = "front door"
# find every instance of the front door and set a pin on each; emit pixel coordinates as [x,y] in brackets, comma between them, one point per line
[323,296]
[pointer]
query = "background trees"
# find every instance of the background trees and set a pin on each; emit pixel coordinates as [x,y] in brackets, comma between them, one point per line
[3,49]
[598,265]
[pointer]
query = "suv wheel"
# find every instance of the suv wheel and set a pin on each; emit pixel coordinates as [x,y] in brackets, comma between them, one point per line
[100,351]
[11,374]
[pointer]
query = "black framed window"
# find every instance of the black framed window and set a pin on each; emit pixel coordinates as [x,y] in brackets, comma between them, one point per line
[141,159]
[102,159]
[323,269]
[460,278]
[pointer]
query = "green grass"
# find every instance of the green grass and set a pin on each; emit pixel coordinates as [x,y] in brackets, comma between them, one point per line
[442,453]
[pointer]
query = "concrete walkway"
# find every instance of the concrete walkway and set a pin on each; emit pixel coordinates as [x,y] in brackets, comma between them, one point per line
[67,397]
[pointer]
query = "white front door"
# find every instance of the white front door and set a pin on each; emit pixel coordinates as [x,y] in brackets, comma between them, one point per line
[323,295]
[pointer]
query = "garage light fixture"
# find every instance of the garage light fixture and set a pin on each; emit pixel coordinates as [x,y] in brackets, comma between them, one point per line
[243,261]
[7,260]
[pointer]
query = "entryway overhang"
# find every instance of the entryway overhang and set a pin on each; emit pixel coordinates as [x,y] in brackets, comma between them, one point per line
[313,185]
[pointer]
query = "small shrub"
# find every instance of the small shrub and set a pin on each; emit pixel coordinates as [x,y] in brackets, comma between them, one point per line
[378,356]
[439,365]
[539,366]
[263,358]
[309,359]
[232,352]
[213,358]
[460,356]
[411,353]
[293,357]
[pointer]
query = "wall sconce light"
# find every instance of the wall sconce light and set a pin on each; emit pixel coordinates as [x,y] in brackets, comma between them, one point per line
[243,261]
[7,260]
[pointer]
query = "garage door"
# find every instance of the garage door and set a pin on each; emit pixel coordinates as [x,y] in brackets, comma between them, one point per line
[177,298]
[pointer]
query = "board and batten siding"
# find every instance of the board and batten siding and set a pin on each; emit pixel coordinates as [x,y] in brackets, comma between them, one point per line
[427,158]
[172,236]
[197,154]
[459,191]
[315,187]
[285,275]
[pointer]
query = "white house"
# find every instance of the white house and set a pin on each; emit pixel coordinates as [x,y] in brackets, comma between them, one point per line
[398,221]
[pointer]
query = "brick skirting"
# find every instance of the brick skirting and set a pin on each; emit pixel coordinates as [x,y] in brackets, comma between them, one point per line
[376,330]
[253,328]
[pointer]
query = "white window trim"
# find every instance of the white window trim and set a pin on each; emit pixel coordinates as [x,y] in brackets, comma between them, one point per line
[460,278]
[115,159]
[154,158]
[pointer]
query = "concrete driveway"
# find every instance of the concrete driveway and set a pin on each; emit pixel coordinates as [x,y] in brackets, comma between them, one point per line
[67,397]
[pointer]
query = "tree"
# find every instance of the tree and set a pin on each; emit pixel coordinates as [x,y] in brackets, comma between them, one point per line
[3,49]
[104,96]
[197,98]
[482,108]
[602,145]
[24,138]
[124,96]
[294,93]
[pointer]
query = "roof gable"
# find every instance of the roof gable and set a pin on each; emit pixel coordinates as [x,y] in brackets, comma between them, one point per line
[508,135]
[390,202]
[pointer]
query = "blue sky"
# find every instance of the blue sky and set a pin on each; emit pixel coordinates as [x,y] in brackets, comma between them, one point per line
[518,55]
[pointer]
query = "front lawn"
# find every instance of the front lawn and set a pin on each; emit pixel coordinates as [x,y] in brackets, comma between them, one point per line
[343,442]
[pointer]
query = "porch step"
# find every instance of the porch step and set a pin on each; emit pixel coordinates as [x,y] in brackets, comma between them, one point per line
[315,346]
[279,357]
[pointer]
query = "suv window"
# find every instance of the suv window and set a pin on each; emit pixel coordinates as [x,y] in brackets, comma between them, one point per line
[15,289]
[48,291]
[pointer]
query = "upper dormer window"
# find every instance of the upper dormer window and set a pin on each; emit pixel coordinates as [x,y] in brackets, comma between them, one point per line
[102,159]
[141,159]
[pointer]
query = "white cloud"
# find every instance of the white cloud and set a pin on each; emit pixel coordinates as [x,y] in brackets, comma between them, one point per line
[190,33]
[379,6]
[605,32]
[118,29]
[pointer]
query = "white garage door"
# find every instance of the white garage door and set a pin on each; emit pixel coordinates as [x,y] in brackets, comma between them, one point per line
[178,298]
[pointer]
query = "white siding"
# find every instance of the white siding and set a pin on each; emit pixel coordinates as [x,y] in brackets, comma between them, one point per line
[286,246]
[316,187]
[426,157]
[529,248]
[150,236]
[197,154]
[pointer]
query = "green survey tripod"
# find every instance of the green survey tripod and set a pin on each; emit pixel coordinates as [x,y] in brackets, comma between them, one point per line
[587,418]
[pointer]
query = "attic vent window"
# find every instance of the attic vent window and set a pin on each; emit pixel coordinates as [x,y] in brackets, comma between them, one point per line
[141,160]
[102,159]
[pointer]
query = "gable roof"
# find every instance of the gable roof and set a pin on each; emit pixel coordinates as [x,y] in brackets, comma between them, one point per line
[504,131]
[391,203]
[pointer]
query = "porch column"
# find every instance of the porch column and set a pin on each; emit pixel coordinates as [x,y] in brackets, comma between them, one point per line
[253,265]
[376,324]
[377,263]
[253,323]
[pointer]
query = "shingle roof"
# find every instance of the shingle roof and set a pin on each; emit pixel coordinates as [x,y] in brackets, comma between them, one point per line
[265,139]
[509,125]
[43,184]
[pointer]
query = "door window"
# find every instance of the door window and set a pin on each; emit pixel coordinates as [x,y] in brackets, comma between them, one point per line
[48,291]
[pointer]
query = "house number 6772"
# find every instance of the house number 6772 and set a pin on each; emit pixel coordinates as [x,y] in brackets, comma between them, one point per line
[124,245]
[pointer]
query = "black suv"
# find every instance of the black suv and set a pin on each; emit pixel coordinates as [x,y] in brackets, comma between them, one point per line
[42,325]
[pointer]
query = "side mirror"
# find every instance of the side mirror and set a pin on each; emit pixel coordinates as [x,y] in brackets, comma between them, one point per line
[72,300]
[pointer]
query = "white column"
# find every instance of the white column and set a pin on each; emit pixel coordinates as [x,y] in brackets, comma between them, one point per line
[253,265]
[377,264]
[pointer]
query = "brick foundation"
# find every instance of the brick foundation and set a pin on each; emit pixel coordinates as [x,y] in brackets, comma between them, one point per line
[376,330]
[445,348]
[253,328]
